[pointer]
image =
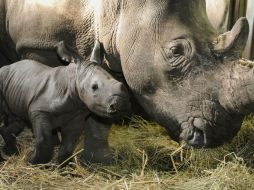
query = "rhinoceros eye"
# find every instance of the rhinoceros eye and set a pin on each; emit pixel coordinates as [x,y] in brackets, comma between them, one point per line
[177,51]
[173,51]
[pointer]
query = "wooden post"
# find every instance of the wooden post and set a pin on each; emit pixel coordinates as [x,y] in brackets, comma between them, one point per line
[218,12]
[249,50]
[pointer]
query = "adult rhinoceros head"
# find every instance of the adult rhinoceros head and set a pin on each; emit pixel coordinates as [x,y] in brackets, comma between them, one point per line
[181,71]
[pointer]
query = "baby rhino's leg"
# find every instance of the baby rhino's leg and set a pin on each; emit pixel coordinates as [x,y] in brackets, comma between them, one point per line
[43,137]
[13,127]
[70,135]
[96,142]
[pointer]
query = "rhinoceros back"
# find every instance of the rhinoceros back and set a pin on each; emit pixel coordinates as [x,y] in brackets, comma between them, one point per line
[21,82]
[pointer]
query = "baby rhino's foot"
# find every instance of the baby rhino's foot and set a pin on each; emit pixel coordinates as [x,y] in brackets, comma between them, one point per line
[104,156]
[39,158]
[1,159]
[10,149]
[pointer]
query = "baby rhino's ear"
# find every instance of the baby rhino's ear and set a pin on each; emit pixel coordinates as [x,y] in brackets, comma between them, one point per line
[97,53]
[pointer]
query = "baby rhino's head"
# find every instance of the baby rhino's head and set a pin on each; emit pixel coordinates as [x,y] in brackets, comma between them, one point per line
[102,94]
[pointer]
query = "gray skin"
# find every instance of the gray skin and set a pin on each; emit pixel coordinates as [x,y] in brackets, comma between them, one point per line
[182,72]
[39,95]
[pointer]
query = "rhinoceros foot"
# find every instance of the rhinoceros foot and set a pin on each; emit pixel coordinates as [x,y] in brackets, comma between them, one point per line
[10,150]
[103,156]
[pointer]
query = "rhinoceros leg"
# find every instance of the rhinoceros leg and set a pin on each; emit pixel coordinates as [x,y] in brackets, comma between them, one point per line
[67,54]
[12,127]
[43,137]
[8,53]
[9,133]
[70,135]
[96,142]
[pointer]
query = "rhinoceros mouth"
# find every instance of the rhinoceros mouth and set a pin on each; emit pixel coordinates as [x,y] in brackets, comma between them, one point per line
[201,133]
[193,132]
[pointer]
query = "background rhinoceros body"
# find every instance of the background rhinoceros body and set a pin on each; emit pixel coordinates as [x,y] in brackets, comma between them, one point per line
[36,25]
[171,57]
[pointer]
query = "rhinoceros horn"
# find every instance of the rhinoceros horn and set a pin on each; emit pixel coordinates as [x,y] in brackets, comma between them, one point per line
[234,41]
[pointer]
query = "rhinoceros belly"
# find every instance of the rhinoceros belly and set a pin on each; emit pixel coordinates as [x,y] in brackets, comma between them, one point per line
[37,25]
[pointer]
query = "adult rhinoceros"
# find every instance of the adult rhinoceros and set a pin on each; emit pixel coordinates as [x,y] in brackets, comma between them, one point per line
[186,77]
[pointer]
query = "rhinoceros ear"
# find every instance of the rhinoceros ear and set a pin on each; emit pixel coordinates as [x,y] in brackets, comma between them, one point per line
[233,41]
[97,53]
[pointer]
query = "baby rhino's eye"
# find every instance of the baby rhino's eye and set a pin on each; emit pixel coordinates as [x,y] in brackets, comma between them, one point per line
[95,87]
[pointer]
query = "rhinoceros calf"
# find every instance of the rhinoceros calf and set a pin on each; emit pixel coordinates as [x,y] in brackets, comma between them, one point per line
[61,97]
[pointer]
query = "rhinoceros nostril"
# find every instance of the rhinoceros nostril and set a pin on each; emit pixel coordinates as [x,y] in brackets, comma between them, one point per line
[112,107]
[95,87]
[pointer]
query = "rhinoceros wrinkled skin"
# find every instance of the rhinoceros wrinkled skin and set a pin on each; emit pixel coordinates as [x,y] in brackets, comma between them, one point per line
[180,70]
[35,93]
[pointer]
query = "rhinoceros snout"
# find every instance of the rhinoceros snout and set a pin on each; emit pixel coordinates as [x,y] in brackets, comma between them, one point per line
[118,105]
[197,138]
[193,132]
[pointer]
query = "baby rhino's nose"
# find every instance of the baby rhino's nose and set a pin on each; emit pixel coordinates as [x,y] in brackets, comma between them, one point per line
[119,102]
[113,107]
[119,105]
[95,87]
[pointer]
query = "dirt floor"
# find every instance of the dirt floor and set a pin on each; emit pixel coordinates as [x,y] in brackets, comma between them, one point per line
[145,158]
